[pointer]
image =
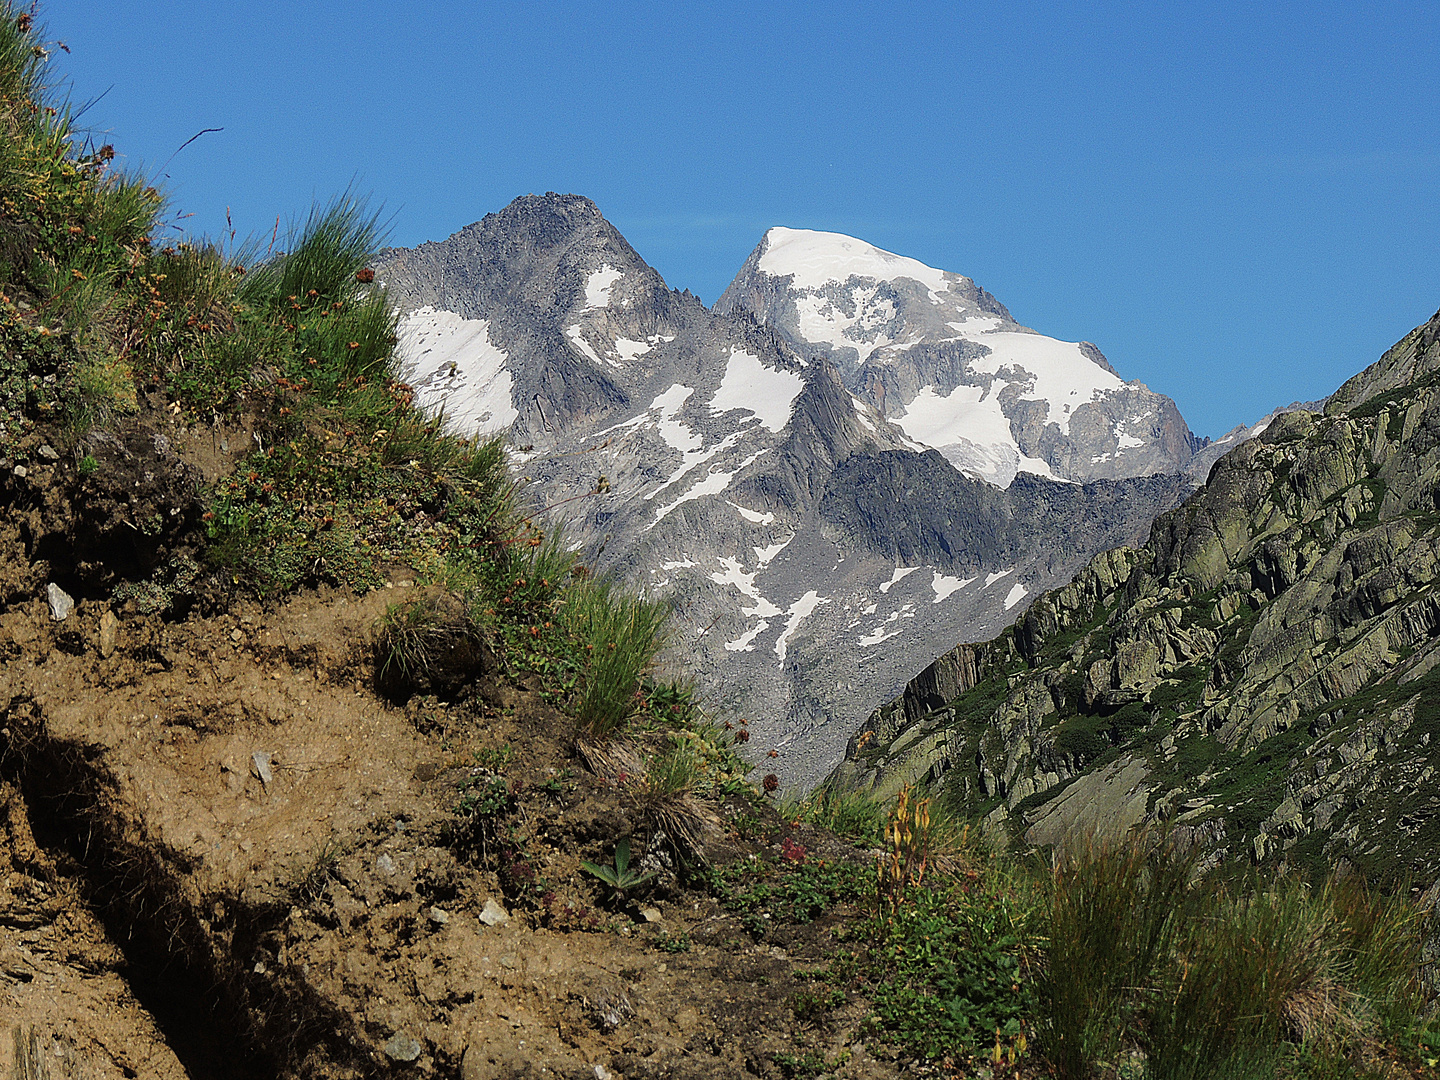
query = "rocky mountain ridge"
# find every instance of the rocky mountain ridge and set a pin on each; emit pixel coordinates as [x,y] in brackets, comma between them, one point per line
[1264,671]
[708,456]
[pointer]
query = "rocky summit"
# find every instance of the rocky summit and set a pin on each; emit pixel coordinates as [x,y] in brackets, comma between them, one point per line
[769,470]
[945,361]
[1262,672]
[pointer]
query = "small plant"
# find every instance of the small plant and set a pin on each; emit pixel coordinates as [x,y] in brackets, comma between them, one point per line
[88,465]
[907,836]
[619,877]
[810,1065]
[495,759]
[316,876]
[815,1003]
[674,943]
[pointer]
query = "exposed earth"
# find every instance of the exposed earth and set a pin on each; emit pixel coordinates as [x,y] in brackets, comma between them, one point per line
[229,856]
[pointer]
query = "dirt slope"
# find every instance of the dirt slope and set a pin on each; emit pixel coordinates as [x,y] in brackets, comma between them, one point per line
[228,856]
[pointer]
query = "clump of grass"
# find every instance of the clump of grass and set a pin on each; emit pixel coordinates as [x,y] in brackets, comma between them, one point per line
[668,794]
[1200,981]
[620,634]
[429,644]
[1115,911]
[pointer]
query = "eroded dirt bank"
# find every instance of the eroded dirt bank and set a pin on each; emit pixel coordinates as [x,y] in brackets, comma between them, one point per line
[228,857]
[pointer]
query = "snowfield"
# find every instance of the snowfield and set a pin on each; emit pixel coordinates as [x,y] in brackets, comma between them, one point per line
[817,258]
[454,368]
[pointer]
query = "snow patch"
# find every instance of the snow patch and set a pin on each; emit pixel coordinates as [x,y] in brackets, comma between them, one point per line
[944,586]
[453,365]
[879,634]
[901,572]
[822,321]
[968,427]
[990,579]
[799,611]
[817,258]
[768,393]
[629,350]
[736,576]
[1055,372]
[1016,594]
[598,286]
[765,554]
[1127,441]
[583,347]
[754,515]
[745,642]
[865,421]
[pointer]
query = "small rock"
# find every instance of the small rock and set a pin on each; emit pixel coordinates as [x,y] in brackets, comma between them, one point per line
[260,761]
[402,1047]
[48,452]
[650,914]
[237,635]
[439,917]
[109,627]
[602,1073]
[21,472]
[492,914]
[384,864]
[61,602]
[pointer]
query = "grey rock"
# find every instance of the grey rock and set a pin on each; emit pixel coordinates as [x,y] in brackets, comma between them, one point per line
[439,916]
[403,1047]
[260,765]
[492,914]
[385,865]
[20,472]
[61,603]
[48,452]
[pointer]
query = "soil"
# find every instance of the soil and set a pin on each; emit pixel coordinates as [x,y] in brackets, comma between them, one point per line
[228,856]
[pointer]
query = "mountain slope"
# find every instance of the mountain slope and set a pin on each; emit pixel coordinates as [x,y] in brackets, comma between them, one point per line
[700,455]
[1265,670]
[945,360]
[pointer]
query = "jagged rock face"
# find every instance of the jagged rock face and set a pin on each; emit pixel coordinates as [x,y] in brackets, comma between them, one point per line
[813,552]
[1265,670]
[943,359]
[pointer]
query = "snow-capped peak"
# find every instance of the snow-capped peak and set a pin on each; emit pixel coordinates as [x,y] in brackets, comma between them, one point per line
[818,258]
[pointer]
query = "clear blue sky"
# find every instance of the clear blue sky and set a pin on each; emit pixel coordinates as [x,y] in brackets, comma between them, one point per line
[1240,203]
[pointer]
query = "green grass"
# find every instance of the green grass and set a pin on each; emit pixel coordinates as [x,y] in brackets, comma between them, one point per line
[855,815]
[1147,957]
[621,633]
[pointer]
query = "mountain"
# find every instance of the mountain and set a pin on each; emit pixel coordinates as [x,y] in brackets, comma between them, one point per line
[1264,671]
[812,547]
[945,361]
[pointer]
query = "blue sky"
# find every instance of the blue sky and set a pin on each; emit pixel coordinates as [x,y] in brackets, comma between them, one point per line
[1239,203]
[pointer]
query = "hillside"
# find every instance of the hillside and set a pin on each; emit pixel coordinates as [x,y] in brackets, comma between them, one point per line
[1261,672]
